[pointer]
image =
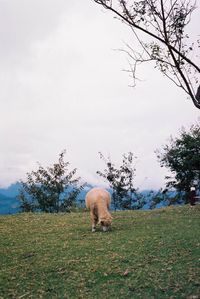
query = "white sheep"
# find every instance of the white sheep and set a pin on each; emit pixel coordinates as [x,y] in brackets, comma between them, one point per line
[98,201]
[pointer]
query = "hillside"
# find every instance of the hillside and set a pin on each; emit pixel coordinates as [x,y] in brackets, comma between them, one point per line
[8,205]
[148,254]
[12,190]
[8,201]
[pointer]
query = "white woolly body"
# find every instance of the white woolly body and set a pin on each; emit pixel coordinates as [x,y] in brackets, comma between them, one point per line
[98,202]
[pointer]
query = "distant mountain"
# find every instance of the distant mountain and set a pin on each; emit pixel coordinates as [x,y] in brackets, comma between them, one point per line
[8,201]
[12,190]
[8,205]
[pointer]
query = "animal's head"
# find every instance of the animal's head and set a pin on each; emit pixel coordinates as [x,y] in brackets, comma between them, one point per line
[105,223]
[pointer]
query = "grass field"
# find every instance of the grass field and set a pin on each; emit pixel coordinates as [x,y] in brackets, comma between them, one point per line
[148,254]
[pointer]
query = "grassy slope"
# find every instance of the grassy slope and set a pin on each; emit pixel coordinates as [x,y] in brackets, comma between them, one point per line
[151,254]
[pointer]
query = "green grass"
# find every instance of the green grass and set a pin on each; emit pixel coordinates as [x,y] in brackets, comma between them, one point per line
[148,254]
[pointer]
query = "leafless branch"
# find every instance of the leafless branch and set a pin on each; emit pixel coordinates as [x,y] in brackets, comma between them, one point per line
[165,23]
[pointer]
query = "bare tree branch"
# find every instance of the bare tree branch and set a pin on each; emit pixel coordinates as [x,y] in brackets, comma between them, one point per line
[164,22]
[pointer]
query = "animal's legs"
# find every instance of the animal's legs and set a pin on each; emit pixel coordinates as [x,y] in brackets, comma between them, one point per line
[94,221]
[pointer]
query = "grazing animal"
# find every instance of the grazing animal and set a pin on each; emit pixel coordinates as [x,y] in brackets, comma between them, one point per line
[98,201]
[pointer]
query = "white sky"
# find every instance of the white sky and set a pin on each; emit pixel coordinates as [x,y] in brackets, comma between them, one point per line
[62,86]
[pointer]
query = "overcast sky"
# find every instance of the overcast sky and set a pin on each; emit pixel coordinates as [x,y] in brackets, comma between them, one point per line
[62,87]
